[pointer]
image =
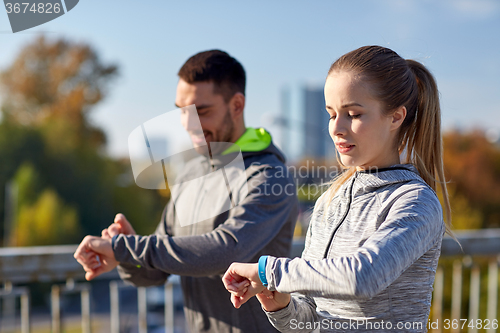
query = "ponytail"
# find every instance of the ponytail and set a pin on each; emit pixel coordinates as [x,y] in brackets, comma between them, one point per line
[422,140]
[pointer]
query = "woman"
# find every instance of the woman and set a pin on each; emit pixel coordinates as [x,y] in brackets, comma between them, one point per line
[374,239]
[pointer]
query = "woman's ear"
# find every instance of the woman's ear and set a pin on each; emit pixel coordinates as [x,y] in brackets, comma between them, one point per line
[237,104]
[398,117]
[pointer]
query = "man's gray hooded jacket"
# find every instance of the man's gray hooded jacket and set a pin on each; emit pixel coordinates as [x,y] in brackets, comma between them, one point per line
[262,223]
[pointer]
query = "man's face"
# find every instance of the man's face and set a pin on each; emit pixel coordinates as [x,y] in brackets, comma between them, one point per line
[213,112]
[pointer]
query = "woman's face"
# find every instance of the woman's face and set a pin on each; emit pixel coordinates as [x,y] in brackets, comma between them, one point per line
[363,136]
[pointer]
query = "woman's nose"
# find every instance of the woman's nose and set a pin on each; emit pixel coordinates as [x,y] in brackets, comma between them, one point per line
[337,127]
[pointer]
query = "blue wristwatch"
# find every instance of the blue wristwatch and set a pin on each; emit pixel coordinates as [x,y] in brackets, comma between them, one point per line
[262,270]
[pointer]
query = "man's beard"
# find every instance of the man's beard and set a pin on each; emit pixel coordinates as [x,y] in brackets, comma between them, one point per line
[223,135]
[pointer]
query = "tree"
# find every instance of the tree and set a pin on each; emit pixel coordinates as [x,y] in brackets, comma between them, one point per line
[54,85]
[67,186]
[472,165]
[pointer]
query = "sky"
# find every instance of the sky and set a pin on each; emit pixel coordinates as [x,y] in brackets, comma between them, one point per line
[280,44]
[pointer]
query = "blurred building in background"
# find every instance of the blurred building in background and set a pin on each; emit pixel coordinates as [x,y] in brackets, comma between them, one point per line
[301,128]
[317,141]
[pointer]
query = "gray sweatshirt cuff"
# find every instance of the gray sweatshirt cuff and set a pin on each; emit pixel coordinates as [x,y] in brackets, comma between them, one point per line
[119,245]
[282,313]
[270,264]
[281,318]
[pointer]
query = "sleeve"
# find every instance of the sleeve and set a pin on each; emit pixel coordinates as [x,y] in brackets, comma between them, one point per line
[300,310]
[141,276]
[414,225]
[251,225]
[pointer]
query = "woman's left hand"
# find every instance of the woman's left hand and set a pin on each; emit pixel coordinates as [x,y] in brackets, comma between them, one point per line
[243,282]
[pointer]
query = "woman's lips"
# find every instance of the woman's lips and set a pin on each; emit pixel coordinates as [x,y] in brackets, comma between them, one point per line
[344,148]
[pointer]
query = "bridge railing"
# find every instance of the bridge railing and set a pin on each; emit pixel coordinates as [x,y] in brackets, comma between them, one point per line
[465,297]
[465,289]
[56,265]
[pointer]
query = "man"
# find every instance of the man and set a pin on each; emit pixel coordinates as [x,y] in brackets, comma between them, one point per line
[260,223]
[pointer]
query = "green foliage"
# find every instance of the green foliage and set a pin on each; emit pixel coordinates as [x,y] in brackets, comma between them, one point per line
[17,145]
[141,207]
[47,222]
[42,216]
[79,181]
[67,187]
[28,183]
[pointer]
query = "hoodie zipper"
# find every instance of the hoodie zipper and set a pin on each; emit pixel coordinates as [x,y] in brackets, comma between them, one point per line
[196,213]
[343,217]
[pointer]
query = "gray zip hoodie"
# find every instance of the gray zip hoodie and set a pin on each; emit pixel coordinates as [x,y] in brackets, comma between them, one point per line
[369,261]
[262,223]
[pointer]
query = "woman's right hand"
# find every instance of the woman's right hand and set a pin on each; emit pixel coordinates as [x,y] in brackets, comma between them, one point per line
[277,302]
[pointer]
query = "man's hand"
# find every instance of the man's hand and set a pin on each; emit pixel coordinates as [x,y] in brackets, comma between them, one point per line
[120,226]
[96,256]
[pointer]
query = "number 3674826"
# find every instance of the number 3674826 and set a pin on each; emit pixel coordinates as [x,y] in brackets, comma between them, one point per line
[35,8]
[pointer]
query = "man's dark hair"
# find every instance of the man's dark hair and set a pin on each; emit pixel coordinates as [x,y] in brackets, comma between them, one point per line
[217,66]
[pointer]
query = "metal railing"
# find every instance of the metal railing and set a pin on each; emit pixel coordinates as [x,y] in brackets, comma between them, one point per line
[55,264]
[479,251]
[480,256]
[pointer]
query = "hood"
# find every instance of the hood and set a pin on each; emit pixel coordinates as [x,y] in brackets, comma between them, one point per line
[369,180]
[255,141]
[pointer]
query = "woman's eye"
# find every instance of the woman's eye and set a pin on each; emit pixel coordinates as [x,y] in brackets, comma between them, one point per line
[333,117]
[354,116]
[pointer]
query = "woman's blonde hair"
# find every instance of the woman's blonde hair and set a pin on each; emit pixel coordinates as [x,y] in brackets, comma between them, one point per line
[398,82]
